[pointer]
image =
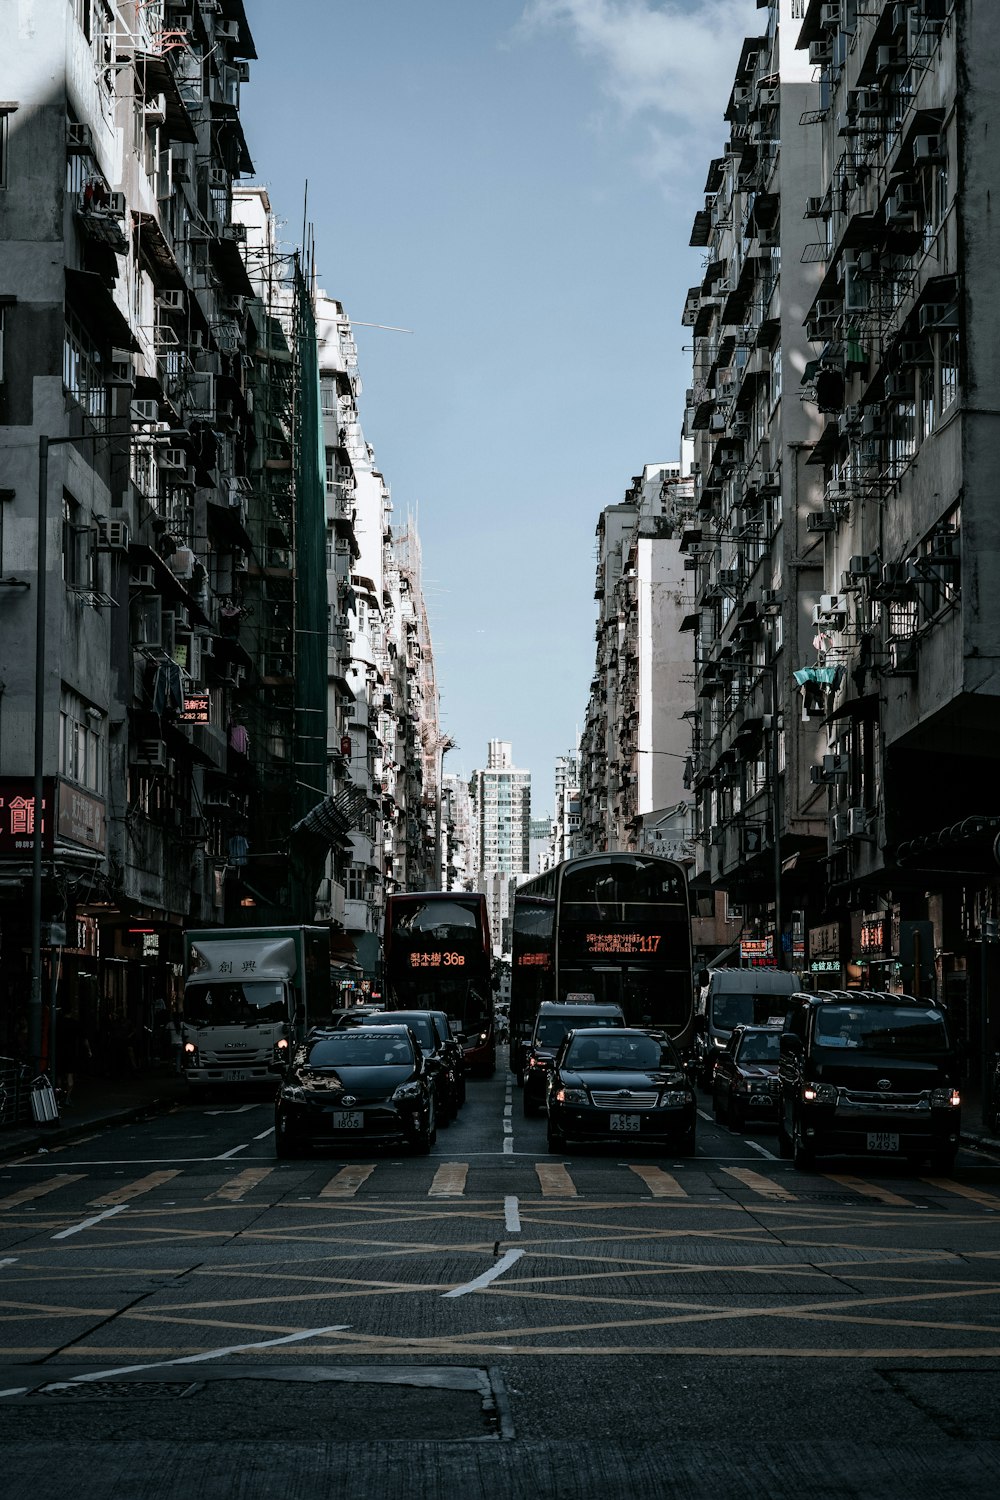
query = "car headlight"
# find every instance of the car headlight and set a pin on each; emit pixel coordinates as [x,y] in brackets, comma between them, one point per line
[483,1036]
[674,1098]
[945,1099]
[294,1093]
[536,1062]
[744,1086]
[571,1096]
[819,1093]
[408,1091]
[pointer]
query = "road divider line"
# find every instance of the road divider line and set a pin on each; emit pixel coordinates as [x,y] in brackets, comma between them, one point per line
[108,1213]
[511,1215]
[497,1269]
[661,1184]
[869,1189]
[134,1190]
[347,1181]
[196,1359]
[756,1146]
[974,1194]
[234,1191]
[39,1189]
[264,1134]
[554,1180]
[765,1186]
[233,1152]
[706,1116]
[449,1180]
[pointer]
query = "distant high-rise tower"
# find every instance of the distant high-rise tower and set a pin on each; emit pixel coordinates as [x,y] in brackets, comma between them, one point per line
[501,809]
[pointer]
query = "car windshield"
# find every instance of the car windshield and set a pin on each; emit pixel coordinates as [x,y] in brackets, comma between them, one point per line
[550,1030]
[744,1008]
[760,1046]
[361,1049]
[421,1026]
[881,1028]
[234,1004]
[621,1051]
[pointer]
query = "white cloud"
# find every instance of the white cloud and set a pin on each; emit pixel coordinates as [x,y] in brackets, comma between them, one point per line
[672,62]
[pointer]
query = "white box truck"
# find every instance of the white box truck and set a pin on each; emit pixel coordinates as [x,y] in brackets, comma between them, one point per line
[249,994]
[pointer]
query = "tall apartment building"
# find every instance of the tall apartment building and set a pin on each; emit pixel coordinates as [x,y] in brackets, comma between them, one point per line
[456,807]
[501,806]
[635,741]
[845,384]
[566,819]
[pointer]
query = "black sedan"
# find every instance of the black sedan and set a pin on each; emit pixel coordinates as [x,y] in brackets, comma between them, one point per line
[746,1082]
[445,1058]
[361,1086]
[620,1085]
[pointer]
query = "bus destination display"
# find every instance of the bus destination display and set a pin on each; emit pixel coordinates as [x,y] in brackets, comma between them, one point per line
[437,960]
[622,944]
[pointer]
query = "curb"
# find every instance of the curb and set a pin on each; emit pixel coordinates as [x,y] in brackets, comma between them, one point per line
[68,1130]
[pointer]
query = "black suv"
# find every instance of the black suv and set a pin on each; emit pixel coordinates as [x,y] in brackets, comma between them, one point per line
[552,1024]
[867,1074]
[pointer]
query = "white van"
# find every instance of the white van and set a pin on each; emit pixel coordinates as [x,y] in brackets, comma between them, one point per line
[737,997]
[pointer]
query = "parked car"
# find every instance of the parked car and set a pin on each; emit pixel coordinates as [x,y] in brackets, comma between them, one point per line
[359,1085]
[867,1074]
[552,1024]
[746,1083]
[620,1084]
[439,1049]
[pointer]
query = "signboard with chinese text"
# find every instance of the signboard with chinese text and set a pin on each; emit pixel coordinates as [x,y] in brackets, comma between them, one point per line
[756,947]
[196,709]
[874,933]
[824,942]
[622,944]
[17,816]
[436,960]
[82,817]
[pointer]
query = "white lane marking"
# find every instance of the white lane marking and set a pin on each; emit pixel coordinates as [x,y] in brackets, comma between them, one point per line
[64,1234]
[235,1150]
[497,1269]
[16,1390]
[241,1110]
[195,1359]
[508,1150]
[12,1259]
[508,1110]
[511,1216]
[264,1134]
[755,1147]
[707,1117]
[508,1128]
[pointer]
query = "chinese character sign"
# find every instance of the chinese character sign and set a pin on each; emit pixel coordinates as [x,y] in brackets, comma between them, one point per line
[17,816]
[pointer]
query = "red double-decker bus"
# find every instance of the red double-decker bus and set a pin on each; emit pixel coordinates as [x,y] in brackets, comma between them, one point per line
[438,956]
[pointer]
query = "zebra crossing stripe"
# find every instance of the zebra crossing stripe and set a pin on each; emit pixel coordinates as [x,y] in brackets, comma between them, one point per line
[869,1189]
[134,1190]
[661,1184]
[554,1180]
[39,1189]
[757,1183]
[346,1182]
[234,1191]
[449,1180]
[974,1194]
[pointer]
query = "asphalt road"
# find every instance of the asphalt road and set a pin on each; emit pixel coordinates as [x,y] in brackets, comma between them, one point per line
[185,1315]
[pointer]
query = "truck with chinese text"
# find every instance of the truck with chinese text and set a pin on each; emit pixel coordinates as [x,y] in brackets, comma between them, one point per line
[249,994]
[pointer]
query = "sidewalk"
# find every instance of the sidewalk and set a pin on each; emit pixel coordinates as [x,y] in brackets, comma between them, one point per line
[97,1103]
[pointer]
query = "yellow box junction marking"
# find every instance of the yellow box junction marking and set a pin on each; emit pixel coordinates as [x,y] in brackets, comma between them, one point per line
[869,1189]
[233,1191]
[974,1194]
[39,1189]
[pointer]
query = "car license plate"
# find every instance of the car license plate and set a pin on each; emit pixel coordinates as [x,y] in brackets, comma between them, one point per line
[625,1122]
[882,1140]
[347,1119]
[237,1077]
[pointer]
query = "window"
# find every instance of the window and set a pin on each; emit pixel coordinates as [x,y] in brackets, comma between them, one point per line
[6,110]
[81,742]
[83,372]
[77,551]
[328,405]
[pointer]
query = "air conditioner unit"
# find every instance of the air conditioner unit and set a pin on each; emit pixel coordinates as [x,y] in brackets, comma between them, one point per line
[821,520]
[827,307]
[836,765]
[820,52]
[889,60]
[728,577]
[151,753]
[79,139]
[838,491]
[122,373]
[769,96]
[218,177]
[156,110]
[938,315]
[216,800]
[717,422]
[868,102]
[144,411]
[741,94]
[857,821]
[829,16]
[182,618]
[903,658]
[243,72]
[172,458]
[181,171]
[196,339]
[928,150]
[721,288]
[914,352]
[235,232]
[230,30]
[872,423]
[112,536]
[902,204]
[170,300]
[144,577]
[815,208]
[863,565]
[116,205]
[770,480]
[833,604]
[840,828]
[899,386]
[824,621]
[729,453]
[770,599]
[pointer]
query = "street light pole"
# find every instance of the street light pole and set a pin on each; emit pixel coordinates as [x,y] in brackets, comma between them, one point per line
[35,999]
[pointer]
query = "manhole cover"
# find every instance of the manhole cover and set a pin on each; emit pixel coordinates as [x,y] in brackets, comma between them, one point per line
[116,1390]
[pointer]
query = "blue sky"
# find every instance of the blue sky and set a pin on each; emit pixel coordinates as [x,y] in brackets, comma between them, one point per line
[514,180]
